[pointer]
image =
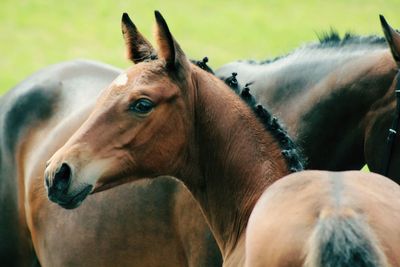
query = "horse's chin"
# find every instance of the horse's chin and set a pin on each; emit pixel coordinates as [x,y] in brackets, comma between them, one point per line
[74,201]
[105,186]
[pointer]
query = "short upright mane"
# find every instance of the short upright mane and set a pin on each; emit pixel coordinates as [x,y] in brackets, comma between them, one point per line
[331,39]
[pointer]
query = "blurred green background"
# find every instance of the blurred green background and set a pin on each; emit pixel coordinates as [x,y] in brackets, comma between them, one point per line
[37,33]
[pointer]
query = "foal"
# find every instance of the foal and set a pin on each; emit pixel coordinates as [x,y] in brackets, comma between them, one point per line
[164,116]
[167,116]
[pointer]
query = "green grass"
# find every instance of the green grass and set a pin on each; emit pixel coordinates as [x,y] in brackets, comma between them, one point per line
[37,33]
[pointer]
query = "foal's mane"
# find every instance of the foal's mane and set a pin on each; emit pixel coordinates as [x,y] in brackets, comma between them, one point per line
[290,150]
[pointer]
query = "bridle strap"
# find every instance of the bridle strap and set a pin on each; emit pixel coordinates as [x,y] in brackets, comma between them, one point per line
[393,131]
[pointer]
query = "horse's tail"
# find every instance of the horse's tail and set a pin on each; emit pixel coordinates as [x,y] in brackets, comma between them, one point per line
[343,238]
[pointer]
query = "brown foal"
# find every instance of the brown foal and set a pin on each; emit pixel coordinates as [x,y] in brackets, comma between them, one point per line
[167,116]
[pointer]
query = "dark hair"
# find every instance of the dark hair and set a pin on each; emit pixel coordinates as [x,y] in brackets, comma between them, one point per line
[289,149]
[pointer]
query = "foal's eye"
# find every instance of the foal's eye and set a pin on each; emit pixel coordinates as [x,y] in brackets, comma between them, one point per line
[142,106]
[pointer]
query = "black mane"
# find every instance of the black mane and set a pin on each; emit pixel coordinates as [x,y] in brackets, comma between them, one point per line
[290,150]
[331,39]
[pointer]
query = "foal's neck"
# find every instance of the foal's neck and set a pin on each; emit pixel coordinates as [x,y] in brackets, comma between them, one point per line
[232,160]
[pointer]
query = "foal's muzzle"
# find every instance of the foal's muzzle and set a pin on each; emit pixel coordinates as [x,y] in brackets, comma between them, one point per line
[58,188]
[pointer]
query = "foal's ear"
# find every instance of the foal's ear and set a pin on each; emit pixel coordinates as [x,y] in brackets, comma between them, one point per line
[137,47]
[393,38]
[169,49]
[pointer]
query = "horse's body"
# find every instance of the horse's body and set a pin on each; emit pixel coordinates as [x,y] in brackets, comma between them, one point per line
[167,116]
[326,219]
[149,223]
[336,98]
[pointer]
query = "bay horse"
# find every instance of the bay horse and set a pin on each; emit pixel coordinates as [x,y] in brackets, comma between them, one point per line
[336,97]
[148,223]
[326,219]
[166,116]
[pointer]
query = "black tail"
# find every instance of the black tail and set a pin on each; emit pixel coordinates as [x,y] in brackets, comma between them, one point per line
[343,239]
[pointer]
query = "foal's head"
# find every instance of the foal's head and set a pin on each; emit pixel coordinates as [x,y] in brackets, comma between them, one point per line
[140,124]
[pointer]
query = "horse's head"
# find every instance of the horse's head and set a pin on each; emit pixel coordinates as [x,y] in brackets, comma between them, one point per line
[380,156]
[138,128]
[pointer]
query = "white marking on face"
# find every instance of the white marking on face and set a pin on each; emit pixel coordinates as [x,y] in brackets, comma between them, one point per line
[121,80]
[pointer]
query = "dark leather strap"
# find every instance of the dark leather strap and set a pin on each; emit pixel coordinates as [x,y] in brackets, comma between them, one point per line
[393,131]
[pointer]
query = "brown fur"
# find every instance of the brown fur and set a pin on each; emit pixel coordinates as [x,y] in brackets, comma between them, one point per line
[207,158]
[340,100]
[152,221]
[137,47]
[148,223]
[282,227]
[169,49]
[202,133]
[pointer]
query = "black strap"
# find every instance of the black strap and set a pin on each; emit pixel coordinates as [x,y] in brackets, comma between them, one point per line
[393,131]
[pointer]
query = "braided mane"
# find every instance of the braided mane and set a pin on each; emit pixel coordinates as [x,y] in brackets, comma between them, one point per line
[290,150]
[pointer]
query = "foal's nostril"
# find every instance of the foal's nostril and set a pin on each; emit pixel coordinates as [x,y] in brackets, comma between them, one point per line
[62,177]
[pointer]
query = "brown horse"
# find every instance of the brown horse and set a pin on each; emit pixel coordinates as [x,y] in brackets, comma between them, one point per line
[336,97]
[326,219]
[148,223]
[167,116]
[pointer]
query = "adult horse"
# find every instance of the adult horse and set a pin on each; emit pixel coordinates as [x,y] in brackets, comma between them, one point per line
[320,219]
[167,116]
[149,223]
[337,98]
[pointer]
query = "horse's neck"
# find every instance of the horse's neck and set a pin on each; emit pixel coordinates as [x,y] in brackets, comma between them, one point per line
[328,113]
[232,161]
[333,114]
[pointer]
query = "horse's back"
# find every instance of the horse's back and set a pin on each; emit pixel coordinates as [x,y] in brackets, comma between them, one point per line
[302,208]
[287,83]
[45,99]
[56,90]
